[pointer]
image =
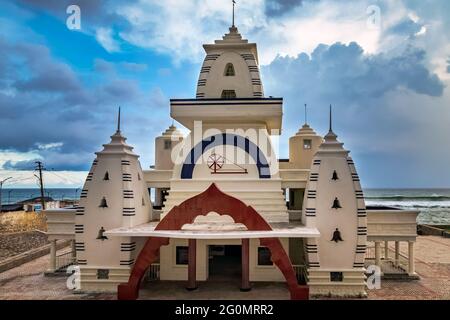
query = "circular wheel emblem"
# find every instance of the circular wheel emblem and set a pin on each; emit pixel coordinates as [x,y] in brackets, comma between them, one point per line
[215,162]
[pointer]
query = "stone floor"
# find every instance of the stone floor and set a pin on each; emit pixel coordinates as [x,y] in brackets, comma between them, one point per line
[432,265]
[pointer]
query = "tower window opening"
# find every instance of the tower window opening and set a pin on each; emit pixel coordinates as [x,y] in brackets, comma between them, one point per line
[228,94]
[182,255]
[167,144]
[336,204]
[106,177]
[336,276]
[307,143]
[264,257]
[103,203]
[229,70]
[335,176]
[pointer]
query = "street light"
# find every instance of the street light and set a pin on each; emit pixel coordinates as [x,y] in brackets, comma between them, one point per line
[1,187]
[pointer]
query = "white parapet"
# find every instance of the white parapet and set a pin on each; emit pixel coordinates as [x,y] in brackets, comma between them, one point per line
[60,223]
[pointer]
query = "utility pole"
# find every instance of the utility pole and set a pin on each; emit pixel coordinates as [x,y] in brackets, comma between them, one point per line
[40,168]
[1,187]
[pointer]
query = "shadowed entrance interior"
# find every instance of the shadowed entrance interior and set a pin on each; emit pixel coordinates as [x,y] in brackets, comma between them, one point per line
[225,263]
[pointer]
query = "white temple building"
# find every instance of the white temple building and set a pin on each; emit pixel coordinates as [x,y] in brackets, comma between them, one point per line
[224,201]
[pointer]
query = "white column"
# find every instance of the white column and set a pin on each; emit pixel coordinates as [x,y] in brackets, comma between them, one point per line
[52,267]
[377,254]
[386,250]
[411,266]
[397,252]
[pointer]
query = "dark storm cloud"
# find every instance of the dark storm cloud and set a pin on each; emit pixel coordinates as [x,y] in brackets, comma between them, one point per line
[43,101]
[343,73]
[275,8]
[406,27]
[20,165]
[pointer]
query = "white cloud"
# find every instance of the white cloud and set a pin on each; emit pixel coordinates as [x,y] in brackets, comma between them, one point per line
[48,146]
[52,179]
[180,28]
[105,37]
[14,156]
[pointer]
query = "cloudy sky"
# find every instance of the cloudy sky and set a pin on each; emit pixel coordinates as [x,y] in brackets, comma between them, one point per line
[384,65]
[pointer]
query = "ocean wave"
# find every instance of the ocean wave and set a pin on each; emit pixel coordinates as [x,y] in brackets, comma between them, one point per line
[410,204]
[409,198]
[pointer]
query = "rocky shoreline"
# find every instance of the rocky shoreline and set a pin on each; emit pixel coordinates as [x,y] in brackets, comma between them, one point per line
[12,244]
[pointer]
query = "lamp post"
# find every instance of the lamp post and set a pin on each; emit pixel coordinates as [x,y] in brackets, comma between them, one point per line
[1,187]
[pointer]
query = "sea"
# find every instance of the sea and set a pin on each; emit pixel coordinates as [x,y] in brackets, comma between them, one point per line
[433,204]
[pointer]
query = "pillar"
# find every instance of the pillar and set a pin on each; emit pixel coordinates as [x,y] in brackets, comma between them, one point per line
[377,254]
[192,265]
[52,267]
[397,252]
[386,250]
[245,277]
[411,266]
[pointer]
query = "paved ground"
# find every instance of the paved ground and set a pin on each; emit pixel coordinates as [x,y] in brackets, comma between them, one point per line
[432,264]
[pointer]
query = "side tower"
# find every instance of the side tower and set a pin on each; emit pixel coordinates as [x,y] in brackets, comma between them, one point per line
[303,146]
[166,145]
[114,195]
[334,204]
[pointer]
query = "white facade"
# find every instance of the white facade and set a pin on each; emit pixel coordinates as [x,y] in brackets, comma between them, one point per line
[312,201]
[114,195]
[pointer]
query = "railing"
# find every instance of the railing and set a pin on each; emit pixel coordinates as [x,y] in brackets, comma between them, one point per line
[388,263]
[301,272]
[370,253]
[64,260]
[152,273]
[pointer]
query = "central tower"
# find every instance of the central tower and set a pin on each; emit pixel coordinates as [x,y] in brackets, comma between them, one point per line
[229,145]
[230,69]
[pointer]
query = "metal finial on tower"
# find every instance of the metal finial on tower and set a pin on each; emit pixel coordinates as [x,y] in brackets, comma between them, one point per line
[306,115]
[118,122]
[331,120]
[234,3]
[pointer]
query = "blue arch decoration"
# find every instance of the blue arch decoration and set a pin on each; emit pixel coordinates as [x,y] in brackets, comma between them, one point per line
[226,139]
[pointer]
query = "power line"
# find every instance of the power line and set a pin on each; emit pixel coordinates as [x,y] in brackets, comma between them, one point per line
[63,178]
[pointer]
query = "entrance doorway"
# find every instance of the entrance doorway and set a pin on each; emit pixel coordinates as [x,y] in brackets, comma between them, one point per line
[225,263]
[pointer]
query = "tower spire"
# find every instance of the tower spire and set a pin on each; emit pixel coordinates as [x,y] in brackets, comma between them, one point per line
[234,3]
[118,122]
[331,120]
[306,115]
